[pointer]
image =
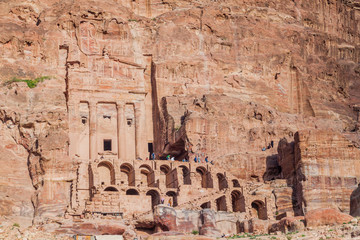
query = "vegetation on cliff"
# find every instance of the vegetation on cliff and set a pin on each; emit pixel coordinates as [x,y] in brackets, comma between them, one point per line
[32,83]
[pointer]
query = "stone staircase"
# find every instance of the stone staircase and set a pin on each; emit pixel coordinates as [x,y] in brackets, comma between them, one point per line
[142,216]
[195,204]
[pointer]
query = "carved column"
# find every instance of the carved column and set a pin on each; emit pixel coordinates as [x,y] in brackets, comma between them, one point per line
[121,131]
[92,125]
[140,134]
[73,127]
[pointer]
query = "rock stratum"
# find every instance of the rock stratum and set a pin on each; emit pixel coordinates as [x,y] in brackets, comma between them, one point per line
[223,79]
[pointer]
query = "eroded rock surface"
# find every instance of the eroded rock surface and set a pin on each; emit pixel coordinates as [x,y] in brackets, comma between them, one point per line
[326,216]
[235,82]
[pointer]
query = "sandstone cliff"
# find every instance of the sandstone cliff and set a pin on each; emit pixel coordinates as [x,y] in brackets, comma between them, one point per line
[227,79]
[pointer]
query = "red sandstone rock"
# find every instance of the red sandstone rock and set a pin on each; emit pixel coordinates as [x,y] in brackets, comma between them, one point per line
[258,226]
[289,224]
[321,165]
[241,75]
[327,216]
[354,202]
[96,227]
[208,227]
[165,218]
[177,236]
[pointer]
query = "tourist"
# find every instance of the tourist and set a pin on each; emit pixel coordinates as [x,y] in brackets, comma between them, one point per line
[168,157]
[212,162]
[172,159]
[263,149]
[162,200]
[206,159]
[195,159]
[153,156]
[272,143]
[170,202]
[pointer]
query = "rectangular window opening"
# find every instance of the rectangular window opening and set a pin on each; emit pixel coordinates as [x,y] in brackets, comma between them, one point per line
[107,145]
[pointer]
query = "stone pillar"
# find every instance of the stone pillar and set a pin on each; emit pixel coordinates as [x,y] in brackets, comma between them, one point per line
[92,125]
[229,205]
[73,128]
[121,131]
[140,133]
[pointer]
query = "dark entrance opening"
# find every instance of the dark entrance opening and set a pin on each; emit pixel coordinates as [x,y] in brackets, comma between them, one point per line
[236,183]
[110,189]
[155,197]
[260,209]
[172,194]
[205,205]
[132,192]
[222,181]
[186,175]
[107,144]
[221,204]
[237,201]
[150,149]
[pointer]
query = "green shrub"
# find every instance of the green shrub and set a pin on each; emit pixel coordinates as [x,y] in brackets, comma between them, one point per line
[30,82]
[16,225]
[195,232]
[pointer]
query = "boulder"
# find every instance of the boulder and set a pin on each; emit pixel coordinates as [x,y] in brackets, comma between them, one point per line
[97,227]
[165,218]
[258,226]
[208,227]
[326,216]
[288,224]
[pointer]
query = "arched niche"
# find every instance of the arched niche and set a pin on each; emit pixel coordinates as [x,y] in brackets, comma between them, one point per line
[127,174]
[259,208]
[222,181]
[155,197]
[237,201]
[185,175]
[132,192]
[147,175]
[111,189]
[173,195]
[235,183]
[206,180]
[106,173]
